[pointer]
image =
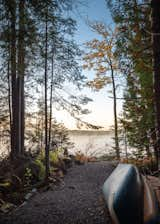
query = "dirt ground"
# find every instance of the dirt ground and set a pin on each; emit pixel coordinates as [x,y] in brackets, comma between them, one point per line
[77,200]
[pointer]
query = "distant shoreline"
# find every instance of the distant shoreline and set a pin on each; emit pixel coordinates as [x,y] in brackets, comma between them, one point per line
[89,132]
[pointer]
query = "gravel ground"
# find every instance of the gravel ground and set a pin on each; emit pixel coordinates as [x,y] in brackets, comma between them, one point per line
[78,200]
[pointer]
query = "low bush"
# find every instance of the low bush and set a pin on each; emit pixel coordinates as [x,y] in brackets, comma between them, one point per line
[54,157]
[81,158]
[145,164]
[41,173]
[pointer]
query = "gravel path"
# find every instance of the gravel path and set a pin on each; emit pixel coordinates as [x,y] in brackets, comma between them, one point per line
[78,200]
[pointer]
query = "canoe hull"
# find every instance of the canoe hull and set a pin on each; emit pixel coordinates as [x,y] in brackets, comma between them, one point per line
[123,195]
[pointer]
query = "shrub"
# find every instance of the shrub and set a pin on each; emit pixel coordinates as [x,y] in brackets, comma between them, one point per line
[41,156]
[80,158]
[41,168]
[145,164]
[27,177]
[54,157]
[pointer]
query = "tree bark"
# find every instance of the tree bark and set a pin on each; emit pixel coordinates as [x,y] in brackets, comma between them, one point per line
[148,152]
[46,108]
[9,84]
[125,144]
[21,71]
[154,144]
[12,9]
[115,116]
[51,98]
[156,68]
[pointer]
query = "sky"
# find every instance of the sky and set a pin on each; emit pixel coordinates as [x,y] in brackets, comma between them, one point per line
[102,106]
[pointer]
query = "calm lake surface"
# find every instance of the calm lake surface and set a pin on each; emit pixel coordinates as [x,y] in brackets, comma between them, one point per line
[93,143]
[90,143]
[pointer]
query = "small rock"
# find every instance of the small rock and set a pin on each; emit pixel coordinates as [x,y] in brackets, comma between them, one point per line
[34,190]
[24,203]
[28,196]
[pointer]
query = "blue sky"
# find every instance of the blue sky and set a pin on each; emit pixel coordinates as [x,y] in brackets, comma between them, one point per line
[102,106]
[93,10]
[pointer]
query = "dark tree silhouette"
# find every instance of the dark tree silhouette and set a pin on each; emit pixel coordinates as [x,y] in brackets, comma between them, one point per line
[156,66]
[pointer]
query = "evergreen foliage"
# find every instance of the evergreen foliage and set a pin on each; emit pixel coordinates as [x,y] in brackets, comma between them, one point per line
[134,50]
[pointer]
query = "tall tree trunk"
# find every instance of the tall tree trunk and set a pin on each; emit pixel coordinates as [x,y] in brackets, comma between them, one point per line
[41,134]
[125,144]
[9,98]
[51,98]
[156,67]
[115,116]
[18,97]
[42,130]
[9,84]
[154,144]
[46,109]
[22,116]
[21,71]
[148,152]
[12,10]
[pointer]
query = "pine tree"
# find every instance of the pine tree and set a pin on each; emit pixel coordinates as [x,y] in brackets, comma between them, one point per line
[156,66]
[135,55]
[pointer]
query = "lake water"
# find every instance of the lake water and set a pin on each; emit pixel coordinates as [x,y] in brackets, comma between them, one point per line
[92,143]
[96,143]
